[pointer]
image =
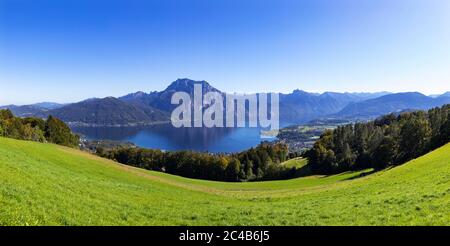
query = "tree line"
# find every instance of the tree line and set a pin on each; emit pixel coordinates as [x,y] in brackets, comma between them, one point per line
[259,163]
[387,141]
[51,130]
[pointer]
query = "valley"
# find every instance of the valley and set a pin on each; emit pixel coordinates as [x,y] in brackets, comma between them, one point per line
[46,184]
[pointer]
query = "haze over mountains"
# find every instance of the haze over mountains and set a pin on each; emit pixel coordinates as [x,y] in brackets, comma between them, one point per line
[33,109]
[141,108]
[392,103]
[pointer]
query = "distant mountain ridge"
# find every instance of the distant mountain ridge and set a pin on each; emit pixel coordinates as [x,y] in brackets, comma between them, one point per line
[141,108]
[108,111]
[301,106]
[392,103]
[447,94]
[37,109]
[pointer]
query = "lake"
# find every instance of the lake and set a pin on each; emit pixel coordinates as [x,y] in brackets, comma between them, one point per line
[167,137]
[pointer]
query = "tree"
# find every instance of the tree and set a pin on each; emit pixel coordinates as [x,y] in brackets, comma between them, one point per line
[14,128]
[386,153]
[34,122]
[58,132]
[6,114]
[37,135]
[232,170]
[444,136]
[414,137]
[389,140]
[348,157]
[445,131]
[249,170]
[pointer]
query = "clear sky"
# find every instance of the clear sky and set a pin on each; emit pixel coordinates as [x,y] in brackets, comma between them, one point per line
[66,51]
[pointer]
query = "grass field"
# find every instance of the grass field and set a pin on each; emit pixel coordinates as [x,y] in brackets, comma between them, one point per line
[302,169]
[296,162]
[45,184]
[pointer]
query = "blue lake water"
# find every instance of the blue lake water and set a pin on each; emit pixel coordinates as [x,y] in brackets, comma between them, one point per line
[167,137]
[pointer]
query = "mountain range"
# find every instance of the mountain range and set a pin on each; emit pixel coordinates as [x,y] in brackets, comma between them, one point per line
[37,109]
[301,106]
[392,103]
[108,111]
[141,108]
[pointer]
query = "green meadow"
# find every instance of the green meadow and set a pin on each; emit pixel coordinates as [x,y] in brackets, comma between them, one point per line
[46,184]
[298,162]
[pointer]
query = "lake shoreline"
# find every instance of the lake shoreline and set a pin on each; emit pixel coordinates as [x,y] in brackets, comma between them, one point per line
[167,137]
[83,124]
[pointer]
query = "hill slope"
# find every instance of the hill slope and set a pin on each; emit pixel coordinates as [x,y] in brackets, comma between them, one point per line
[44,184]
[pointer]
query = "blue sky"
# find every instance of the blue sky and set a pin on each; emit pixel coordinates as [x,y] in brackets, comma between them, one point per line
[66,51]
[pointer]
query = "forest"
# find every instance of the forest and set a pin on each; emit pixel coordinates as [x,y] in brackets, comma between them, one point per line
[51,130]
[387,141]
[259,163]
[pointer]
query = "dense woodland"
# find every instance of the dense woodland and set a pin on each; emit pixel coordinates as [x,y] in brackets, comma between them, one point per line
[389,140]
[51,130]
[259,163]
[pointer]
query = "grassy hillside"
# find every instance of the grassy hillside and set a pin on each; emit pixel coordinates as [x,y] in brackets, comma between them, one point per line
[298,162]
[44,184]
[301,165]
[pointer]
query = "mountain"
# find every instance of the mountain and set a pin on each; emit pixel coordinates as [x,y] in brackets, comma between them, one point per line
[354,96]
[447,94]
[341,97]
[37,109]
[162,100]
[369,95]
[107,111]
[48,105]
[138,108]
[301,106]
[392,103]
[187,85]
[295,108]
[23,111]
